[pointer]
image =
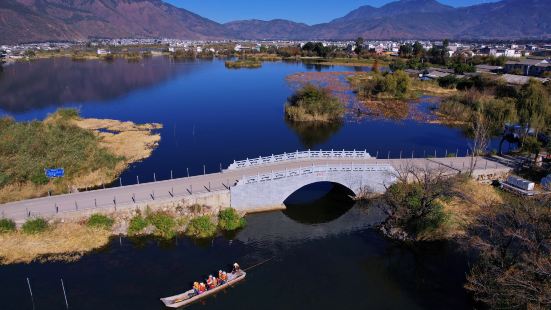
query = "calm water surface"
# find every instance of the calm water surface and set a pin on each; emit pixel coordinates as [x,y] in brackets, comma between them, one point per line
[325,252]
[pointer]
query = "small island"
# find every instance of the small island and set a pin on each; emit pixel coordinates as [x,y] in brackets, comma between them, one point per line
[93,152]
[314,104]
[247,63]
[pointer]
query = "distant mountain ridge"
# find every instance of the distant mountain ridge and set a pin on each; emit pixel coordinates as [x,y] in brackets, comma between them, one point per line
[57,20]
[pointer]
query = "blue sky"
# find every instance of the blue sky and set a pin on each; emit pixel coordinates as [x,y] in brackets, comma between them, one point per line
[307,11]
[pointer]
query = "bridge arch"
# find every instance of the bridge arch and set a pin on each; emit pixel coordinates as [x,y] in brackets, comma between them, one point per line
[264,192]
[305,194]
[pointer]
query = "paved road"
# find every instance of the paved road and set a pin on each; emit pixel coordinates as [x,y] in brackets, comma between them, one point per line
[171,190]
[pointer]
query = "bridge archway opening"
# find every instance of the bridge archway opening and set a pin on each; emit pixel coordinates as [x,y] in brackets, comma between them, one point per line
[319,202]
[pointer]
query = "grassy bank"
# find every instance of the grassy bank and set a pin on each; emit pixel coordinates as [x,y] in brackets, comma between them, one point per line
[314,104]
[40,240]
[92,152]
[246,63]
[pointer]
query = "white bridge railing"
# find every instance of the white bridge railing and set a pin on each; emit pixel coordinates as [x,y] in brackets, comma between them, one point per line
[272,176]
[299,155]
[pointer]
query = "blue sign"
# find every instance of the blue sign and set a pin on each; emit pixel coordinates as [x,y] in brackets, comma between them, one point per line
[55,173]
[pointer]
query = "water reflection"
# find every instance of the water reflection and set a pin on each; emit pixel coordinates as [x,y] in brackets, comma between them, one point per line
[54,82]
[319,203]
[312,134]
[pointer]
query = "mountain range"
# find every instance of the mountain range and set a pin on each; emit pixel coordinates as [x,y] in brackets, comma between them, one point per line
[60,20]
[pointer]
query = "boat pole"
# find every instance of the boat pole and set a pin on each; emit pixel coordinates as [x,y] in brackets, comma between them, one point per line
[64,294]
[261,263]
[30,291]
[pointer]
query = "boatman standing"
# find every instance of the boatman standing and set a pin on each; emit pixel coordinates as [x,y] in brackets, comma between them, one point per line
[236,268]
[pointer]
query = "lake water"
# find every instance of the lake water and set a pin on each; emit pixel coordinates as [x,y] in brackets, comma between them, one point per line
[324,251]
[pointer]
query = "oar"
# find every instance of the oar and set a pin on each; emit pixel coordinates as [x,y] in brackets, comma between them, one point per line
[261,263]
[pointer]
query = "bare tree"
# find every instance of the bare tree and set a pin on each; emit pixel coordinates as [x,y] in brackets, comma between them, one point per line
[481,138]
[514,242]
[412,202]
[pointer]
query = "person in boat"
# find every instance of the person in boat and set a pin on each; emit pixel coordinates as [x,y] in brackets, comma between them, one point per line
[236,268]
[202,287]
[222,277]
[211,282]
[196,288]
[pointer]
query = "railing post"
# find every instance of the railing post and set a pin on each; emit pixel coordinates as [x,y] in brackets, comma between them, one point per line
[171,176]
[138,179]
[187,170]
[154,177]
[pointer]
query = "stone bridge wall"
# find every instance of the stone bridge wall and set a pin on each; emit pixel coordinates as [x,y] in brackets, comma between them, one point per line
[269,191]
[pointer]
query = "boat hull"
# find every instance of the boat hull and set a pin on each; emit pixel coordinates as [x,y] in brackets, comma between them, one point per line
[186,298]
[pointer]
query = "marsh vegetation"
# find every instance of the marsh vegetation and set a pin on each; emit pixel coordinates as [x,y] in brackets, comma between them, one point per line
[314,104]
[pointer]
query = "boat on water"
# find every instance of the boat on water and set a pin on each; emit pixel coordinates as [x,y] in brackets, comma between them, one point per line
[188,297]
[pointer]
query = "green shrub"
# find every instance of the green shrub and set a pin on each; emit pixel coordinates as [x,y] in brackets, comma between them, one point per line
[40,179]
[164,223]
[35,226]
[67,113]
[201,227]
[313,103]
[100,221]
[137,224]
[6,225]
[229,219]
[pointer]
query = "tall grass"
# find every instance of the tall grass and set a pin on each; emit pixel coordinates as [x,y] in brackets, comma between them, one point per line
[100,221]
[6,225]
[313,103]
[35,226]
[249,64]
[165,224]
[201,227]
[137,225]
[229,219]
[27,148]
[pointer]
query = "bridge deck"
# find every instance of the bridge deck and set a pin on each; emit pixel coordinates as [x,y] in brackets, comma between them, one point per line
[176,189]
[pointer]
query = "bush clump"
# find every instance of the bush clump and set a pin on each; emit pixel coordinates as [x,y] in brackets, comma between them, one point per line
[100,221]
[229,219]
[201,227]
[6,225]
[35,226]
[165,225]
[137,224]
[249,64]
[395,85]
[313,103]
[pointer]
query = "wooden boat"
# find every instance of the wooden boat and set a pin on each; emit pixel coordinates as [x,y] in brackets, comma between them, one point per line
[188,297]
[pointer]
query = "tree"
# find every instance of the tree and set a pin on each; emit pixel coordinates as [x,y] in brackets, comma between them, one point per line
[412,202]
[359,45]
[403,83]
[534,106]
[514,244]
[405,50]
[418,49]
[481,137]
[375,67]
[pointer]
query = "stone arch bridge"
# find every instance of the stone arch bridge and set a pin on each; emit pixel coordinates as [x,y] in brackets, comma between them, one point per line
[248,185]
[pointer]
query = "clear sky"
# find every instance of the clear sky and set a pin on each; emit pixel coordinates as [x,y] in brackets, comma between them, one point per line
[306,11]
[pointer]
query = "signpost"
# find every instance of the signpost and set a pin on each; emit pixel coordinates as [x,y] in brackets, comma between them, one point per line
[54,173]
